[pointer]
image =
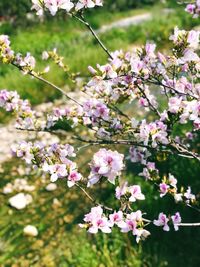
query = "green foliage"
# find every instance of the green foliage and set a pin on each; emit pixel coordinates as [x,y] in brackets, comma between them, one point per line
[15,10]
[127,4]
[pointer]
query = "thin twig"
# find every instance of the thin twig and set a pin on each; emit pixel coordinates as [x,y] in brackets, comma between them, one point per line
[82,20]
[33,74]
[92,199]
[188,224]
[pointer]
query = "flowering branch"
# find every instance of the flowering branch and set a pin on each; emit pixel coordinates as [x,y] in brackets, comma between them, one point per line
[162,89]
[82,20]
[35,75]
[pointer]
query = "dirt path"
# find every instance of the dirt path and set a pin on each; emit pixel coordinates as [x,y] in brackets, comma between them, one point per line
[123,23]
[133,20]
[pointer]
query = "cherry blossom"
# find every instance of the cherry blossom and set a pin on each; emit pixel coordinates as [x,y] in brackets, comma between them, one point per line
[162,221]
[163,189]
[53,6]
[97,221]
[117,218]
[105,163]
[176,219]
[136,193]
[194,8]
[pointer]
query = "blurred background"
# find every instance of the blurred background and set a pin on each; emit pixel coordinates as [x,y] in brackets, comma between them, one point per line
[56,211]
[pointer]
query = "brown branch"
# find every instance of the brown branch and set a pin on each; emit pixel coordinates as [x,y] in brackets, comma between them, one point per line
[184,151]
[33,74]
[92,199]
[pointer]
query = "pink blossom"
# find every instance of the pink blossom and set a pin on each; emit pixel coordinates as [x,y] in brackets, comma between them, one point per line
[193,39]
[176,219]
[108,71]
[194,9]
[136,193]
[54,5]
[56,171]
[178,197]
[37,5]
[97,221]
[188,195]
[190,8]
[73,177]
[163,189]
[174,104]
[142,234]
[172,180]
[121,190]
[117,218]
[85,4]
[131,222]
[162,221]
[138,154]
[105,163]
[150,49]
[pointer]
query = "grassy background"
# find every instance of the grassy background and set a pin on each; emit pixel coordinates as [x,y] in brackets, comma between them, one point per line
[80,49]
[60,242]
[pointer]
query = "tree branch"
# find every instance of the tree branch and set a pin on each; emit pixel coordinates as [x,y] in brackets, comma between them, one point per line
[33,74]
[82,20]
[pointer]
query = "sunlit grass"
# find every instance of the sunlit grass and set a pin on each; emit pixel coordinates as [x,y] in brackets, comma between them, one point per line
[79,49]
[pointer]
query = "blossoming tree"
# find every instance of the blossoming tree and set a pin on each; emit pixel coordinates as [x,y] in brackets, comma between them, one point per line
[166,86]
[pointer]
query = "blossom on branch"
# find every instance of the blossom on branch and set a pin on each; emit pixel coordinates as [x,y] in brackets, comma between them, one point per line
[194,8]
[53,6]
[105,163]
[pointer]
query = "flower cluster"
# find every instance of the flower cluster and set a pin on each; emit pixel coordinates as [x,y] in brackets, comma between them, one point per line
[92,114]
[138,154]
[11,102]
[53,159]
[163,221]
[53,6]
[166,185]
[105,163]
[26,63]
[133,222]
[6,53]
[155,132]
[186,196]
[150,172]
[170,186]
[133,192]
[194,8]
